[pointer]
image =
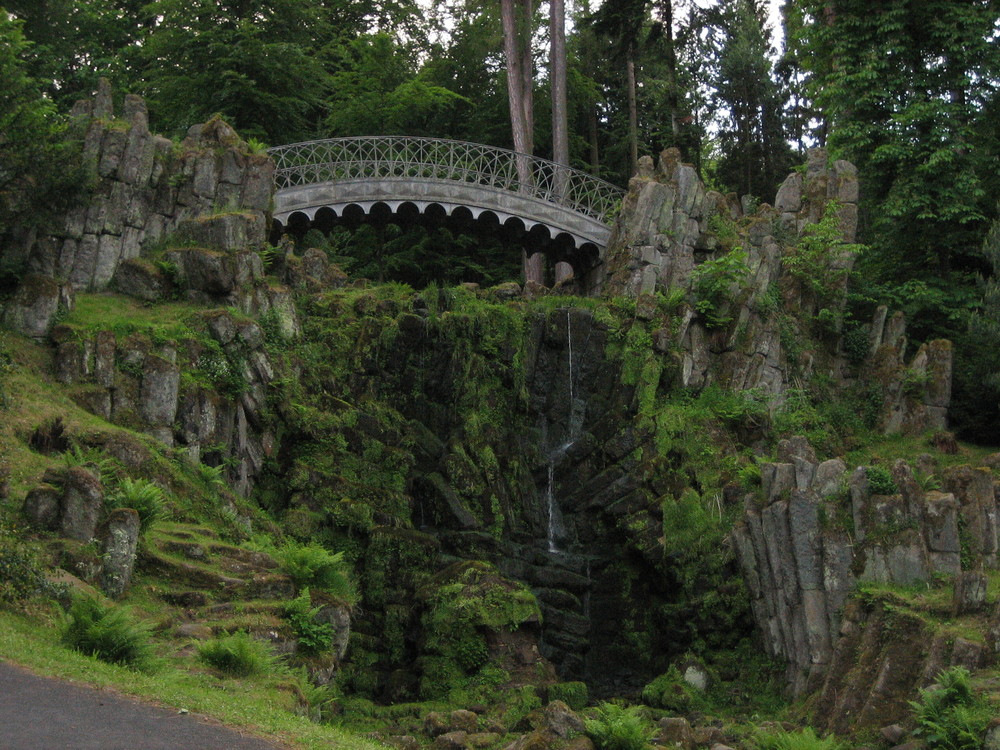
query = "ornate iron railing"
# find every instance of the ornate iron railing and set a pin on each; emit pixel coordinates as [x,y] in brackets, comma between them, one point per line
[437,159]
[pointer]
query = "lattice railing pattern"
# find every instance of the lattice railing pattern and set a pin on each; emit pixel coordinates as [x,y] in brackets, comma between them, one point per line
[437,159]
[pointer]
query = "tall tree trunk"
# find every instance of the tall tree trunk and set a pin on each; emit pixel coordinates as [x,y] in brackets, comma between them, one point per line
[670,57]
[592,135]
[633,114]
[557,84]
[517,53]
[516,19]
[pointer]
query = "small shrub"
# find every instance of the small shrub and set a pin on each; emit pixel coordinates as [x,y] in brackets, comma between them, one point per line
[714,283]
[108,632]
[211,476]
[803,740]
[142,496]
[314,566]
[880,481]
[238,655]
[573,694]
[21,573]
[949,715]
[313,636]
[314,701]
[89,458]
[615,727]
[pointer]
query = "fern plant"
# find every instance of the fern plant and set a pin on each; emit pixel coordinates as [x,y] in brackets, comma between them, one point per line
[312,635]
[108,632]
[238,655]
[314,566]
[805,739]
[615,727]
[950,715]
[142,496]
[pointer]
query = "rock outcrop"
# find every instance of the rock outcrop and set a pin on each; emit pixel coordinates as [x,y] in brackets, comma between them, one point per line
[145,187]
[817,530]
[133,381]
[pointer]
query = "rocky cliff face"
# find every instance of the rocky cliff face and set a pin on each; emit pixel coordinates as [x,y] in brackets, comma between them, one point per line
[818,530]
[145,186]
[777,318]
[146,193]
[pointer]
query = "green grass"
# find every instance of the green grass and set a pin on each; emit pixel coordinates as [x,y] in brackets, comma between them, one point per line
[263,708]
[115,312]
[886,449]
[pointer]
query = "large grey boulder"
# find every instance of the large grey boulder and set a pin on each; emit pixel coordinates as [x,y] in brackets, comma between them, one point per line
[36,304]
[119,536]
[82,503]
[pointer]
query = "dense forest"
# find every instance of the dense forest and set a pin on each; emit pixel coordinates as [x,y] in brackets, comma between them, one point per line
[382,488]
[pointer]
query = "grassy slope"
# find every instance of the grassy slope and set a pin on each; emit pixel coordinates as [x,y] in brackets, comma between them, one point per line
[31,637]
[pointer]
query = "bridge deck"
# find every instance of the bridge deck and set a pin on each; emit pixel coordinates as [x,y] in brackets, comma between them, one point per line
[395,170]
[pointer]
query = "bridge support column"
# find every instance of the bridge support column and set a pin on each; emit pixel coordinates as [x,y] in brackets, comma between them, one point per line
[534,267]
[563,271]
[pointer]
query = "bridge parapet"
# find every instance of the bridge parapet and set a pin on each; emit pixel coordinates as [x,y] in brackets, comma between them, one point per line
[439,160]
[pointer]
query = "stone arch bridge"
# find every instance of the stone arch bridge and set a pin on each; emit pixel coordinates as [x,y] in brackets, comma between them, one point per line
[324,181]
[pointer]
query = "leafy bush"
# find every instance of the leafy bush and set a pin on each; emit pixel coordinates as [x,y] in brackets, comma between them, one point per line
[615,727]
[142,496]
[803,740]
[573,694]
[713,282]
[314,566]
[313,636]
[238,655]
[21,573]
[108,632]
[880,481]
[949,715]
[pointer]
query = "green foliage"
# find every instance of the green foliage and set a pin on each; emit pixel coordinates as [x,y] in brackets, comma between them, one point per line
[142,496]
[573,694]
[805,739]
[672,692]
[238,655]
[108,632]
[311,565]
[615,727]
[465,603]
[716,282]
[40,173]
[377,91]
[949,714]
[820,259]
[747,100]
[418,255]
[22,575]
[312,635]
[255,63]
[880,481]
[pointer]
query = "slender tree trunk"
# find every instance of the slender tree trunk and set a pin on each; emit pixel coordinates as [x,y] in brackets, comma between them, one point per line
[670,56]
[592,135]
[557,84]
[633,114]
[517,53]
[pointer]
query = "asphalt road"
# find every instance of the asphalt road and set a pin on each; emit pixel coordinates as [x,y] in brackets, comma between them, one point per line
[41,713]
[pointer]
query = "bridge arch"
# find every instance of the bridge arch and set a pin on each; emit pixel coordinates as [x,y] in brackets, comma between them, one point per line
[323,181]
